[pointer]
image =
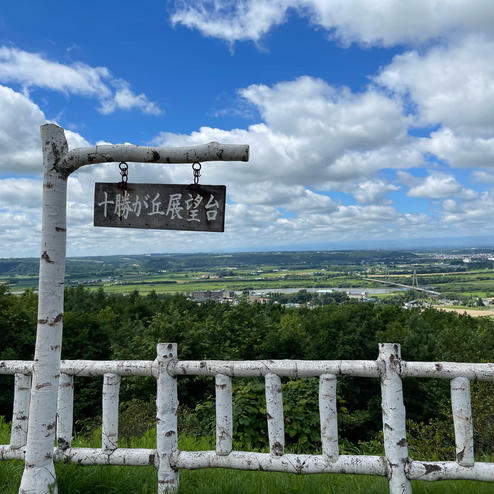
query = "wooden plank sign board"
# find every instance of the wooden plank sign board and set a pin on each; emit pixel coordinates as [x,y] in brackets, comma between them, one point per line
[160,206]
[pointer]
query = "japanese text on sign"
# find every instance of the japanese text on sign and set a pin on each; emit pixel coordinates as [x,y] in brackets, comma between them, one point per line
[172,207]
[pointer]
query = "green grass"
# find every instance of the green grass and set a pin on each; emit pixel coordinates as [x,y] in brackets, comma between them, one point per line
[77,479]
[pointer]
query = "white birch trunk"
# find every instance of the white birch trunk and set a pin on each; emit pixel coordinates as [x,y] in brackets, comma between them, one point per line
[20,414]
[65,411]
[166,419]
[39,472]
[224,420]
[393,412]
[462,419]
[109,429]
[274,414]
[328,416]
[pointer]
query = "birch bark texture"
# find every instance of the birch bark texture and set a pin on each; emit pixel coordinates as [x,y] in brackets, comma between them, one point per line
[58,163]
[39,472]
[393,413]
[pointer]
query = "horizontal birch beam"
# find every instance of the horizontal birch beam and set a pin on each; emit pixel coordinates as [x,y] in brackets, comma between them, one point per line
[147,368]
[212,151]
[301,464]
[447,370]
[7,452]
[285,368]
[95,456]
[239,368]
[16,366]
[449,470]
[90,456]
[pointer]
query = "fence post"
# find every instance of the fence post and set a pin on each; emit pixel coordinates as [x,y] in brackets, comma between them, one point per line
[274,414]
[328,416]
[394,419]
[462,419]
[224,421]
[109,429]
[20,414]
[65,412]
[166,418]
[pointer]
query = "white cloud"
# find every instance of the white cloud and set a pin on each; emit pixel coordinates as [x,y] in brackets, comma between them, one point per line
[20,144]
[435,186]
[451,85]
[34,70]
[460,151]
[470,215]
[372,191]
[20,194]
[125,99]
[313,134]
[387,22]
[482,176]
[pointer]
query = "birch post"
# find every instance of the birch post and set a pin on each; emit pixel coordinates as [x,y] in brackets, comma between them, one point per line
[109,429]
[393,412]
[274,414]
[328,416]
[39,472]
[20,414]
[58,163]
[65,411]
[166,419]
[224,418]
[462,419]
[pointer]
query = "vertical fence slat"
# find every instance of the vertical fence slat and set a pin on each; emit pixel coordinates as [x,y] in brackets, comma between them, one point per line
[109,431]
[462,418]
[394,419]
[65,411]
[274,414]
[224,420]
[166,419]
[328,416]
[20,413]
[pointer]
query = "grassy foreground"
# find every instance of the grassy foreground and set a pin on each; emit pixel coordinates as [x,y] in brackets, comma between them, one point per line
[77,479]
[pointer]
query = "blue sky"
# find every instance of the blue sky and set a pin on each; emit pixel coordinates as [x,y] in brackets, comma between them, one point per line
[369,122]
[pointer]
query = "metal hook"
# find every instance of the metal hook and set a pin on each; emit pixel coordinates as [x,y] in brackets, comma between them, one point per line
[123,172]
[196,171]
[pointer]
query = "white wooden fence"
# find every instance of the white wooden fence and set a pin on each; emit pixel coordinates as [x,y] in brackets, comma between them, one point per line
[396,465]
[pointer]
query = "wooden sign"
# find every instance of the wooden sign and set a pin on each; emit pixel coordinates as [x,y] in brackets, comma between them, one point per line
[160,206]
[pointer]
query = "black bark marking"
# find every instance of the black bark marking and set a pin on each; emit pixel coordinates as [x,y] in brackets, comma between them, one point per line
[60,229]
[460,455]
[431,468]
[42,385]
[46,257]
[402,442]
[277,449]
[156,156]
[62,443]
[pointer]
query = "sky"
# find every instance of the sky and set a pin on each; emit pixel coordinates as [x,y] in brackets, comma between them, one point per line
[370,124]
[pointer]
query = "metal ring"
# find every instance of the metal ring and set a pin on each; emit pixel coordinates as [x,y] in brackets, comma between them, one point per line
[194,168]
[125,166]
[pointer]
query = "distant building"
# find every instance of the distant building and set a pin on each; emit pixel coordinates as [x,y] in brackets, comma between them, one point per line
[218,295]
[258,298]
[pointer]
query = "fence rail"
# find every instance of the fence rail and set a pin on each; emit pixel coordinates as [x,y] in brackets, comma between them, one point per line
[396,465]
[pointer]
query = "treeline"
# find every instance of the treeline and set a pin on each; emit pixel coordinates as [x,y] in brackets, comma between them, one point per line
[100,326]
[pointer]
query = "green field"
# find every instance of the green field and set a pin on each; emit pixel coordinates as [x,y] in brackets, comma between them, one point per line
[176,273]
